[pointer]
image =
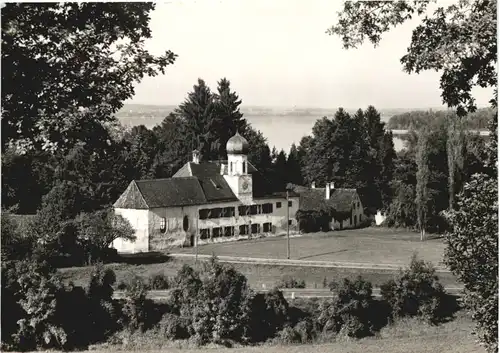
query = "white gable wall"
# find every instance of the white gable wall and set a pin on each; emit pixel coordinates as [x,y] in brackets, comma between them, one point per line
[139,221]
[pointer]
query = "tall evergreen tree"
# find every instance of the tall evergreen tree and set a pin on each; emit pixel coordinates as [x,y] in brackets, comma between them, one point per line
[281,177]
[173,147]
[293,169]
[200,121]
[229,117]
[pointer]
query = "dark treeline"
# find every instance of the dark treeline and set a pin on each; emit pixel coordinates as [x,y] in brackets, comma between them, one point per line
[478,120]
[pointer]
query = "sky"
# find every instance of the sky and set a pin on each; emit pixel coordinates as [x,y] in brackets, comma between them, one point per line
[276,53]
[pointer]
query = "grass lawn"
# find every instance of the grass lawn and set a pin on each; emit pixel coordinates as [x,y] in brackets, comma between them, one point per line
[367,245]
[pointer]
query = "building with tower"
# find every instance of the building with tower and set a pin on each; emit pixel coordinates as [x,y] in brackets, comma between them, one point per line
[205,201]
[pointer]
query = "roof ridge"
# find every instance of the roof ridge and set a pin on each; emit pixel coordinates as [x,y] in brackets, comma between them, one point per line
[160,179]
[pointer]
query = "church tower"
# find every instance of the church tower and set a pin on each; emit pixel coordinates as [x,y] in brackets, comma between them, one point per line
[237,175]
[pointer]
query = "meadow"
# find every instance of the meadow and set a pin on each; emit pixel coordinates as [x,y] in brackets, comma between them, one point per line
[368,245]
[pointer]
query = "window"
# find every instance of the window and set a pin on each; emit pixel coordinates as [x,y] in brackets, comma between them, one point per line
[244,229]
[204,213]
[163,225]
[255,228]
[204,233]
[355,220]
[228,231]
[289,203]
[359,206]
[243,210]
[216,232]
[185,223]
[228,212]
[278,204]
[215,213]
[267,208]
[244,167]
[254,209]
[268,227]
[290,222]
[230,167]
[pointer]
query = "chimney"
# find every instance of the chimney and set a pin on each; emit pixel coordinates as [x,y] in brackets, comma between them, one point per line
[222,169]
[196,156]
[327,191]
[332,186]
[313,185]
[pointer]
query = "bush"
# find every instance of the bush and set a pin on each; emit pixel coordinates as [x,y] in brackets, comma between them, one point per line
[217,302]
[159,282]
[290,282]
[136,308]
[288,336]
[349,310]
[269,314]
[306,330]
[104,311]
[416,291]
[32,289]
[173,327]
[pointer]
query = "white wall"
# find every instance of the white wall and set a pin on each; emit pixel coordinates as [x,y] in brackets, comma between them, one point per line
[175,235]
[139,221]
[379,218]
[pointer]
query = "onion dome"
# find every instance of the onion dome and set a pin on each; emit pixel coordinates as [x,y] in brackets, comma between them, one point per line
[237,145]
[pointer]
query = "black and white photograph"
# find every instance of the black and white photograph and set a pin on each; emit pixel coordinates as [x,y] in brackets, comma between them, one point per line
[243,176]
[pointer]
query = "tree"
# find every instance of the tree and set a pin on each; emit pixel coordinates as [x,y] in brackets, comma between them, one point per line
[199,121]
[143,148]
[455,150]
[228,113]
[459,40]
[422,189]
[472,253]
[67,64]
[98,230]
[402,211]
[173,149]
[281,176]
[293,168]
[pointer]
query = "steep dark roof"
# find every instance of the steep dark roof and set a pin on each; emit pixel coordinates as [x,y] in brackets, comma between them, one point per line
[205,169]
[143,194]
[171,192]
[193,184]
[131,198]
[340,201]
[217,189]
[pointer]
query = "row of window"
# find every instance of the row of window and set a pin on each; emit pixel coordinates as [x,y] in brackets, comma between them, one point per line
[219,212]
[244,229]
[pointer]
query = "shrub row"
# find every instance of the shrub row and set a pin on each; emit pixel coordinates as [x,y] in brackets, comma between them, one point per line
[210,305]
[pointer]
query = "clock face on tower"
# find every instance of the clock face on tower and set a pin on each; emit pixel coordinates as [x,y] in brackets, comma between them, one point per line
[245,184]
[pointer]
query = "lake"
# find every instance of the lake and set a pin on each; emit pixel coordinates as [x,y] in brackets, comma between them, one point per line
[280,130]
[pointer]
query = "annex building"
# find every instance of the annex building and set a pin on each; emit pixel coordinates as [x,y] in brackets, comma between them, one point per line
[210,201]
